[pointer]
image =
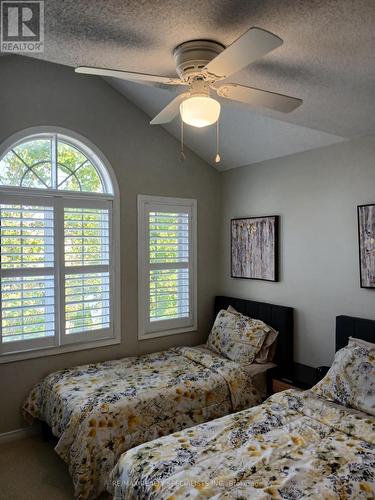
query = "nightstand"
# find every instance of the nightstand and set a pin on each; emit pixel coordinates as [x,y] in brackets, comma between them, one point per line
[299,376]
[278,384]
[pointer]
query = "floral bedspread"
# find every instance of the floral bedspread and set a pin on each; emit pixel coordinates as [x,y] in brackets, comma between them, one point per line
[295,445]
[101,410]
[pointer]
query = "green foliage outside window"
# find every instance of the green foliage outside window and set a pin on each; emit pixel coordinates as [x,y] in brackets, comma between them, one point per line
[168,244]
[30,165]
[27,241]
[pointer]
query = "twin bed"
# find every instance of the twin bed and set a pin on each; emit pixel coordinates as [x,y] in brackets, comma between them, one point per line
[99,411]
[309,444]
[295,445]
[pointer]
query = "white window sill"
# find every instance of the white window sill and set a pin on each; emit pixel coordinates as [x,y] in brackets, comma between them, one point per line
[52,351]
[175,331]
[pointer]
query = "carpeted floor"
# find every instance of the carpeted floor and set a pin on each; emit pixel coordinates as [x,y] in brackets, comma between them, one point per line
[31,470]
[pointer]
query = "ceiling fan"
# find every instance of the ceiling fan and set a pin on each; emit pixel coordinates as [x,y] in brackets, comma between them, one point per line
[201,66]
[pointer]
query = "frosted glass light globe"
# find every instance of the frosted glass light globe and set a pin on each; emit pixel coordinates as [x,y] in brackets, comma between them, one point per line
[200,111]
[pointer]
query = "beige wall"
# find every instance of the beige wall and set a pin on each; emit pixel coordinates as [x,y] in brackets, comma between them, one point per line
[145,160]
[316,194]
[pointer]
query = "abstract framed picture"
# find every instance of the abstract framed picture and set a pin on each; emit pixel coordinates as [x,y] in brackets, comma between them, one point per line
[254,248]
[366,238]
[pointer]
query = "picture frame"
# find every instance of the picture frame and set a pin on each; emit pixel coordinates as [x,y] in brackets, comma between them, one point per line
[366,244]
[255,248]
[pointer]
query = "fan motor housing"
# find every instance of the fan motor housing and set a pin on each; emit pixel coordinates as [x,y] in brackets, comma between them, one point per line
[191,57]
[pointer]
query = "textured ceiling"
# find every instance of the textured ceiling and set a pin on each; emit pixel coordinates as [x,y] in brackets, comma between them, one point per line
[245,136]
[328,60]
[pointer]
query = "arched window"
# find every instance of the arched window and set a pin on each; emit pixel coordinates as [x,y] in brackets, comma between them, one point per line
[58,248]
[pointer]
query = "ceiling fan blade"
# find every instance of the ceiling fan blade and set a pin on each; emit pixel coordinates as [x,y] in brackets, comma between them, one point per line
[128,75]
[252,45]
[257,97]
[170,111]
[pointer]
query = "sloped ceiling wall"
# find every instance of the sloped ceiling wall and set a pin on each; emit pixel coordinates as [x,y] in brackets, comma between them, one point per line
[327,60]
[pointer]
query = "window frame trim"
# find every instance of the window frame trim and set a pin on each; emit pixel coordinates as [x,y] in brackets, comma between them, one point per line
[42,196]
[144,332]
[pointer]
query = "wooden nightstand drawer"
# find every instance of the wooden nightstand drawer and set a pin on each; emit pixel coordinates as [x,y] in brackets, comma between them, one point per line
[280,385]
[300,377]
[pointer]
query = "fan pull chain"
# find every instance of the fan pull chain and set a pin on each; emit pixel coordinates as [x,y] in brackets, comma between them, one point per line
[217,157]
[182,154]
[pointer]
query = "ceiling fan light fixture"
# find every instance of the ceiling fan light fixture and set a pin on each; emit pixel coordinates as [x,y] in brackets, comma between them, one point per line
[200,111]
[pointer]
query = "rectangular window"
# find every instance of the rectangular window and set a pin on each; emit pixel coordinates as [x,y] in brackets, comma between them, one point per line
[28,285]
[56,269]
[87,271]
[166,266]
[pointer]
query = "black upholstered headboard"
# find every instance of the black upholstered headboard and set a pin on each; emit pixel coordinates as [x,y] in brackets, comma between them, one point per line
[279,317]
[347,326]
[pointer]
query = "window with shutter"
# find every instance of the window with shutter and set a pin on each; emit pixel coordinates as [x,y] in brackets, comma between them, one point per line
[167,265]
[87,273]
[58,252]
[27,274]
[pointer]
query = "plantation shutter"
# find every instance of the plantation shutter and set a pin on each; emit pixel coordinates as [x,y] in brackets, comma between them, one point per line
[27,289]
[57,247]
[87,275]
[167,265]
[43,304]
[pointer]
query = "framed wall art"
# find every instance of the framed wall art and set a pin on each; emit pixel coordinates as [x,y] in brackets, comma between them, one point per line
[366,238]
[254,248]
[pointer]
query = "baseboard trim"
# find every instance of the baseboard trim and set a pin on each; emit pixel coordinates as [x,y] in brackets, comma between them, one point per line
[25,432]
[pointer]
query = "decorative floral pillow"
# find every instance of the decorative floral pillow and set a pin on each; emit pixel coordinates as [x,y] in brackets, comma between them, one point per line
[268,349]
[351,379]
[237,337]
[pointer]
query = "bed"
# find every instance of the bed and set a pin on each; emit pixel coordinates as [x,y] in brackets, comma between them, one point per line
[295,445]
[99,411]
